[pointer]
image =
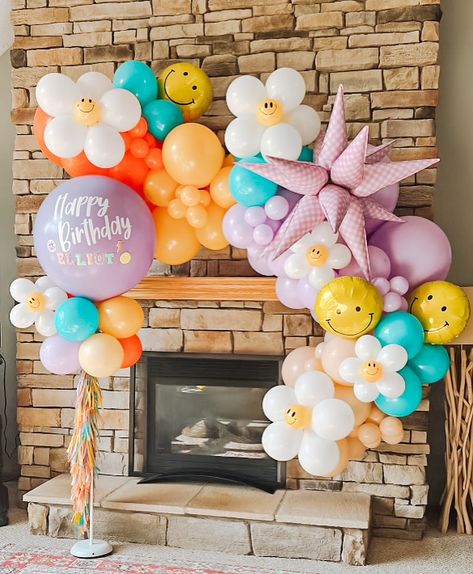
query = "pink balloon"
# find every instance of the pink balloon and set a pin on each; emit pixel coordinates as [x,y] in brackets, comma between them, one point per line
[286,290]
[382,285]
[307,294]
[299,361]
[336,350]
[387,198]
[257,261]
[380,265]
[392,302]
[418,249]
[399,284]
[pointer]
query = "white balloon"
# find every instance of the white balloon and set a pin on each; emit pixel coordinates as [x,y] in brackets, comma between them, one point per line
[281,442]
[333,419]
[45,324]
[306,121]
[56,94]
[367,347]
[320,276]
[65,137]
[55,296]
[281,140]
[244,94]
[44,283]
[318,456]
[286,85]
[392,385]
[243,136]
[276,402]
[295,266]
[319,350]
[21,288]
[366,392]
[340,256]
[312,387]
[394,357]
[94,85]
[21,316]
[104,146]
[349,370]
[323,233]
[120,109]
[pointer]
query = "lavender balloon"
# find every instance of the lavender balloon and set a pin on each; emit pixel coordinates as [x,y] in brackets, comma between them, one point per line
[236,230]
[94,237]
[262,234]
[306,293]
[259,262]
[286,290]
[60,356]
[255,216]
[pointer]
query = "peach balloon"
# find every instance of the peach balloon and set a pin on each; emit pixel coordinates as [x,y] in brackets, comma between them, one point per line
[376,415]
[393,439]
[176,242]
[356,449]
[101,355]
[197,216]
[334,351]
[211,233]
[192,154]
[220,188]
[391,430]
[369,435]
[360,409]
[121,317]
[159,187]
[229,160]
[344,450]
[297,362]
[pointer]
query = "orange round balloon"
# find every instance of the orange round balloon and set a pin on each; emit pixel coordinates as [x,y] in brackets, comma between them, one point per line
[356,449]
[176,241]
[343,449]
[40,121]
[211,234]
[133,349]
[391,426]
[299,361]
[120,316]
[197,216]
[159,187]
[192,154]
[369,435]
[220,188]
[375,415]
[80,165]
[393,439]
[360,409]
[131,170]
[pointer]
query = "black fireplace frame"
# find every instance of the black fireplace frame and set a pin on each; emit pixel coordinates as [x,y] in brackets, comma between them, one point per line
[211,462]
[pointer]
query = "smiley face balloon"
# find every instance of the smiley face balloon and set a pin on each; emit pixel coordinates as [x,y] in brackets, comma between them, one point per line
[187,86]
[442,308]
[349,307]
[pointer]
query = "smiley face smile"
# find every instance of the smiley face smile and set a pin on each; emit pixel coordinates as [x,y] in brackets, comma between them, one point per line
[364,330]
[170,97]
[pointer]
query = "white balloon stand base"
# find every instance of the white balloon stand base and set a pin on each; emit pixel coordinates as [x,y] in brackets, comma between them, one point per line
[91,548]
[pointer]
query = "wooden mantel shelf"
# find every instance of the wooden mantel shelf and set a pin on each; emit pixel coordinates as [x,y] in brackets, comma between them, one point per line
[206,289]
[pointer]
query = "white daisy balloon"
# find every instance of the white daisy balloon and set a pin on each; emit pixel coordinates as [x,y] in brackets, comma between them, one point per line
[374,370]
[270,118]
[316,255]
[87,115]
[37,303]
[307,422]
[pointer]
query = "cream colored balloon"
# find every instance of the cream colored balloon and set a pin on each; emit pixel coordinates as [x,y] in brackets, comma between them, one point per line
[101,355]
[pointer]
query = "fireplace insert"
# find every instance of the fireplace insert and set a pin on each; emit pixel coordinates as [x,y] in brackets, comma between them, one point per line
[196,417]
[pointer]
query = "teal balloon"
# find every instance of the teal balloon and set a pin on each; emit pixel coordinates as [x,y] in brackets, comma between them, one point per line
[410,399]
[248,188]
[431,364]
[139,79]
[162,117]
[307,154]
[402,329]
[77,319]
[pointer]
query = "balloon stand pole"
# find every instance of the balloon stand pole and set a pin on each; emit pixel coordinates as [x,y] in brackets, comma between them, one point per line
[91,548]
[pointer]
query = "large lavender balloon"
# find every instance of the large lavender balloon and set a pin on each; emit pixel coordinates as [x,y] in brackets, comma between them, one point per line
[94,237]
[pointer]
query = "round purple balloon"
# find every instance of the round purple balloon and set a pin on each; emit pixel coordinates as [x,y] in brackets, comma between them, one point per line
[418,249]
[386,197]
[379,262]
[259,262]
[94,237]
[286,290]
[60,356]
[237,232]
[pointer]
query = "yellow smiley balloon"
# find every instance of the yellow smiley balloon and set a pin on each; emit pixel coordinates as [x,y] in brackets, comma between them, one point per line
[349,307]
[442,308]
[187,86]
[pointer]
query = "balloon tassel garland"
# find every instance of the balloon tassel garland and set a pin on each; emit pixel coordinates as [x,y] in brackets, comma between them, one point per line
[82,457]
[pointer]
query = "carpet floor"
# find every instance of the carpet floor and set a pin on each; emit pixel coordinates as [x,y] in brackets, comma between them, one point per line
[23,553]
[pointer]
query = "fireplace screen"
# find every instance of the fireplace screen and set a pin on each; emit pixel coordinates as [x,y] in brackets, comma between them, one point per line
[199,417]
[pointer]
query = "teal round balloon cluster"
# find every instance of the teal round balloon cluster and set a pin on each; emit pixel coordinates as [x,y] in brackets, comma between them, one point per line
[77,319]
[248,188]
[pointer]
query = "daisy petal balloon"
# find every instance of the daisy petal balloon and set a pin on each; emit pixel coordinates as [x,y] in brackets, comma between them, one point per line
[270,118]
[87,115]
[374,370]
[37,303]
[316,256]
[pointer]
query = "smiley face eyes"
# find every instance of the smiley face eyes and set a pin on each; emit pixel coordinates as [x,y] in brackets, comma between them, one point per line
[268,105]
[291,413]
[83,100]
[185,73]
[338,312]
[194,87]
[430,297]
[443,308]
[357,309]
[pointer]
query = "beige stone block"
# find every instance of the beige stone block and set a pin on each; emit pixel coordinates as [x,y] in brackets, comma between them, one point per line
[25,454]
[405,99]
[58,460]
[43,381]
[130,527]
[408,511]
[386,4]
[221,319]
[258,343]
[319,21]
[53,398]
[365,472]
[177,31]
[299,325]
[222,28]
[296,541]
[280,45]
[224,15]
[60,523]
[193,51]
[406,128]
[404,475]
[345,60]
[430,77]
[331,43]
[164,317]
[384,490]
[360,81]
[420,436]
[208,534]
[161,339]
[113,463]
[40,439]
[263,62]
[54,57]
[405,448]
[114,420]
[355,546]
[22,224]
[342,5]
[272,322]
[20,187]
[422,54]
[33,417]
[37,518]
[164,7]
[35,42]
[36,169]
[271,23]
[28,77]
[115,400]
[402,78]
[110,10]
[160,50]
[119,53]
[94,26]
[417,459]
[383,39]
[419,494]
[207,342]
[360,19]
[41,456]
[39,16]
[430,32]
[392,458]
[298,60]
[35,471]
[88,39]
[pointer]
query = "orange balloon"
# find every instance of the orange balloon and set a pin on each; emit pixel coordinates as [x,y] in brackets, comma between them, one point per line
[139,148]
[189,195]
[101,355]
[120,316]
[131,170]
[176,209]
[139,131]
[369,435]
[299,361]
[211,234]
[159,187]
[220,188]
[197,216]
[390,427]
[360,409]
[80,165]
[40,121]
[376,415]
[393,439]
[229,160]
[343,449]
[204,197]
[133,349]
[356,449]
[192,154]
[154,159]
[176,241]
